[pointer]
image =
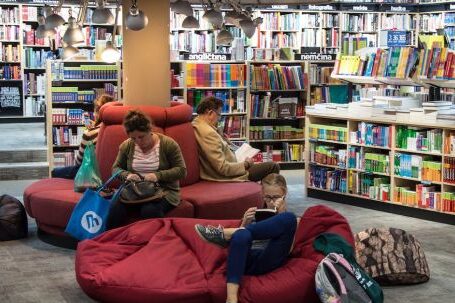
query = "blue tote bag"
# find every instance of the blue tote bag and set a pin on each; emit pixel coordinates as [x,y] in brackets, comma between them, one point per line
[88,219]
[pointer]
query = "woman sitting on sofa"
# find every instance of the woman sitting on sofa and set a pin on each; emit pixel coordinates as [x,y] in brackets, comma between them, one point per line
[256,248]
[153,157]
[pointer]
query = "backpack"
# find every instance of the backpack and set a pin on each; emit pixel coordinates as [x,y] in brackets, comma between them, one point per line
[13,219]
[391,256]
[336,281]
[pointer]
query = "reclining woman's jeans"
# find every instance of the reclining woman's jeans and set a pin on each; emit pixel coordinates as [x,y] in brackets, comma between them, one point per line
[243,259]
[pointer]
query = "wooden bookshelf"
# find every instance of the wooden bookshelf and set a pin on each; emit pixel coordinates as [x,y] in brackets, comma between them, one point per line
[70,103]
[26,21]
[396,180]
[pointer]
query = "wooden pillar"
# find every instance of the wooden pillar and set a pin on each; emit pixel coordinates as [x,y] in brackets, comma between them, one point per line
[146,64]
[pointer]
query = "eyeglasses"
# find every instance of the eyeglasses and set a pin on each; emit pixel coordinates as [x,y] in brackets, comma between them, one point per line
[268,199]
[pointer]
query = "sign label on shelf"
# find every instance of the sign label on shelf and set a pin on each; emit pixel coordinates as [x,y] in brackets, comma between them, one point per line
[397,38]
[313,54]
[398,9]
[207,57]
[360,8]
[319,7]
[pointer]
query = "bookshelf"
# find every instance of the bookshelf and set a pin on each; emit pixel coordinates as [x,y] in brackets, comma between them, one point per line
[278,93]
[18,24]
[72,86]
[408,161]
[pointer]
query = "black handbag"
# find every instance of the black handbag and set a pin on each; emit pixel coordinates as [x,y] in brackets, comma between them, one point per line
[134,192]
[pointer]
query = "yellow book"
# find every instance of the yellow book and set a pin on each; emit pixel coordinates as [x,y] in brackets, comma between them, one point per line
[403,62]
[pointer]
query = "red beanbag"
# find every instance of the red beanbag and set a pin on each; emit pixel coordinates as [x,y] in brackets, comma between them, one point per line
[164,260]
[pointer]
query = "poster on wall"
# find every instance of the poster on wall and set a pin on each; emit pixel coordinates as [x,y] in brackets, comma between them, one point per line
[10,101]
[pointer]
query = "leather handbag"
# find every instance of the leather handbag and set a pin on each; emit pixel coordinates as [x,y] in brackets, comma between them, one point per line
[134,192]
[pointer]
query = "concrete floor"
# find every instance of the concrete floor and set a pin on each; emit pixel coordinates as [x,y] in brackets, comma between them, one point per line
[32,271]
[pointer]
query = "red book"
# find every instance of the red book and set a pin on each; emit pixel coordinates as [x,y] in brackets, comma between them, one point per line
[450,74]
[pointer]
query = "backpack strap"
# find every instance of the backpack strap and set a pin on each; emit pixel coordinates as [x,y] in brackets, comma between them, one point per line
[328,263]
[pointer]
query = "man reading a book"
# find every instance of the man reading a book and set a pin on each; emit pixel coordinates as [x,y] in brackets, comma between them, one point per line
[218,161]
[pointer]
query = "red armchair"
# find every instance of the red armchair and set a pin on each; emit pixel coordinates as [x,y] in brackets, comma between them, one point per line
[51,201]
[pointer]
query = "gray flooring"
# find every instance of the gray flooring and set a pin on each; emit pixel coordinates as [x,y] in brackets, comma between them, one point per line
[32,271]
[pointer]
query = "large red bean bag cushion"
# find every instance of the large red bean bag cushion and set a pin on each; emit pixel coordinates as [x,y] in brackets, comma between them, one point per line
[164,260]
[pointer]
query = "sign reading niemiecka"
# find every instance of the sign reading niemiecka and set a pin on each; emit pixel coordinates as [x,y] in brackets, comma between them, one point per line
[397,38]
[207,57]
[313,54]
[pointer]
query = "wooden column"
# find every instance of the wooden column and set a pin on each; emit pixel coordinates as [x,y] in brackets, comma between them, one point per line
[146,56]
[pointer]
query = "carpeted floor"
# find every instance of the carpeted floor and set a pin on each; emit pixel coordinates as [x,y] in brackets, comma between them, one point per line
[32,271]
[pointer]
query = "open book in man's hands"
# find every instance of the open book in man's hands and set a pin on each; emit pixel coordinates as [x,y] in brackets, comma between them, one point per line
[245,151]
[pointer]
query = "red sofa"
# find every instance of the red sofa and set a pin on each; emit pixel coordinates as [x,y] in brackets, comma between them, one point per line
[51,201]
[164,260]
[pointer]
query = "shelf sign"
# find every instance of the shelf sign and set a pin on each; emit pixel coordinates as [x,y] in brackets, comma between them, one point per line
[207,57]
[279,6]
[360,8]
[313,54]
[398,9]
[452,6]
[397,38]
[319,7]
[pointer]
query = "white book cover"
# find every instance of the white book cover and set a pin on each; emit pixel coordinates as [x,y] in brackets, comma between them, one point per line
[245,151]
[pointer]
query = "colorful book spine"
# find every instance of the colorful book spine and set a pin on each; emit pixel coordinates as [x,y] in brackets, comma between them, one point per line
[269,132]
[215,75]
[418,139]
[376,163]
[369,186]
[328,179]
[233,100]
[371,135]
[9,14]
[328,132]
[449,170]
[277,77]
[329,155]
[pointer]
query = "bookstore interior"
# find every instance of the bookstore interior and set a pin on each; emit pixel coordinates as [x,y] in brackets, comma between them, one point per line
[357,97]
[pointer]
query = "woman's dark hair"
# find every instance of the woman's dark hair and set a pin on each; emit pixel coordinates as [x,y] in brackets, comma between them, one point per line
[136,120]
[209,103]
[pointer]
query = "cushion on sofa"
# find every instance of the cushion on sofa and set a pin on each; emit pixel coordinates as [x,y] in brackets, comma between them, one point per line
[211,197]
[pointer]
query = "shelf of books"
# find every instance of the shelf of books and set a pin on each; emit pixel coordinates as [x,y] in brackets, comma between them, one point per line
[395,163]
[278,92]
[23,56]
[69,103]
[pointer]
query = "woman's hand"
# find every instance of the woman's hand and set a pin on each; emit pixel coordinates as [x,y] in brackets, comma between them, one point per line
[248,216]
[133,177]
[150,177]
[280,205]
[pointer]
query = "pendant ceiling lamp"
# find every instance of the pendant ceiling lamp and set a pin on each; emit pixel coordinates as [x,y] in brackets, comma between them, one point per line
[73,33]
[224,37]
[101,14]
[214,17]
[41,31]
[54,20]
[111,54]
[190,22]
[232,17]
[69,52]
[182,7]
[136,19]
